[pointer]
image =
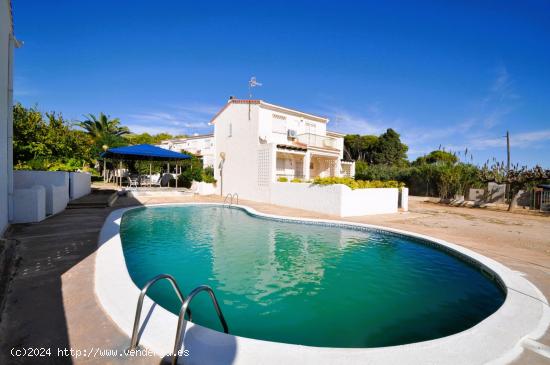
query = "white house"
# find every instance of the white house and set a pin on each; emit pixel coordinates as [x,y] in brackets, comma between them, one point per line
[203,146]
[258,143]
[7,43]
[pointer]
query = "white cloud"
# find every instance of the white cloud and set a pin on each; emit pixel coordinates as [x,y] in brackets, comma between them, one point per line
[420,135]
[152,129]
[525,139]
[500,100]
[346,121]
[174,119]
[502,87]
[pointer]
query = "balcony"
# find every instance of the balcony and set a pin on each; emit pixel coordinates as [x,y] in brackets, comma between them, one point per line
[315,140]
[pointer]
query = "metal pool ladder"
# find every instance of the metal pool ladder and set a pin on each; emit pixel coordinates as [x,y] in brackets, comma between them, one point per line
[229,195]
[181,318]
[170,278]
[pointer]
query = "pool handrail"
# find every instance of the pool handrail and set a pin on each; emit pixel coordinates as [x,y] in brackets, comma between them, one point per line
[184,309]
[231,195]
[227,197]
[170,278]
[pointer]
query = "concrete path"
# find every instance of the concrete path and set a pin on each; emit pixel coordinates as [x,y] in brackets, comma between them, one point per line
[51,303]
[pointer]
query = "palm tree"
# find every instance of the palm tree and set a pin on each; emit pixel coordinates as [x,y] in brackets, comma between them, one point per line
[103,128]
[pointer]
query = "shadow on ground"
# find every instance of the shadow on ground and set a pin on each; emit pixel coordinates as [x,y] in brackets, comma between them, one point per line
[34,316]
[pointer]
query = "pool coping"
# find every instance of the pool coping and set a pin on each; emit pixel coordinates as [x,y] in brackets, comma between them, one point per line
[497,339]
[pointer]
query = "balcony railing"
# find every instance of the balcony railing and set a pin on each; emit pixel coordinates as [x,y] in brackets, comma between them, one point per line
[290,176]
[316,140]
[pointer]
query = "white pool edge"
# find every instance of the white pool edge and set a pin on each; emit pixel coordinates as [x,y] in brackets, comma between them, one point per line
[496,340]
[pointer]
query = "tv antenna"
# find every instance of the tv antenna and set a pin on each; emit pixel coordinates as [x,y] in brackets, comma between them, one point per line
[252,83]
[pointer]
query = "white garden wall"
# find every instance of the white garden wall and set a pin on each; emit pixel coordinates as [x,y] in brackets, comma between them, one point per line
[368,201]
[29,205]
[80,184]
[203,188]
[323,199]
[337,199]
[56,184]
[404,199]
[26,178]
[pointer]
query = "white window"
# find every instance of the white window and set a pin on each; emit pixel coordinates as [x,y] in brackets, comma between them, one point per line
[230,129]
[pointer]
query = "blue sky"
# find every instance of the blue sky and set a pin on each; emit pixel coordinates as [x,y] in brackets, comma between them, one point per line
[440,73]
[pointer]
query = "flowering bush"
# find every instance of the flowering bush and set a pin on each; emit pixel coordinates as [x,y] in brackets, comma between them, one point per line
[357,184]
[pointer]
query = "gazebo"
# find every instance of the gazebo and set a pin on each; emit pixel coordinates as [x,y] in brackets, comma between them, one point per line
[144,152]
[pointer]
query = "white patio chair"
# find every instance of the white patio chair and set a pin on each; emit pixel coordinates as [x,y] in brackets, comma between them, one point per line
[132,183]
[155,180]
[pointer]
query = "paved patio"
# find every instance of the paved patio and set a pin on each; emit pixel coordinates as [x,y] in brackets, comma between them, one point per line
[51,302]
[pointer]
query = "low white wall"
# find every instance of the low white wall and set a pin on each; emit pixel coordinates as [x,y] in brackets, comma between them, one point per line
[317,198]
[369,201]
[80,184]
[24,178]
[56,184]
[203,188]
[29,205]
[404,199]
[337,199]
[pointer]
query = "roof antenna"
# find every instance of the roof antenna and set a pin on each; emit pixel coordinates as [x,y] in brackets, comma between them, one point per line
[252,83]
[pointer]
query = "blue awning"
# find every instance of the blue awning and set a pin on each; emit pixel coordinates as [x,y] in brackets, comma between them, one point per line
[143,152]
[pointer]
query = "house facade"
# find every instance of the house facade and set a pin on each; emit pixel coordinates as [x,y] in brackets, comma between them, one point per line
[7,43]
[258,143]
[202,146]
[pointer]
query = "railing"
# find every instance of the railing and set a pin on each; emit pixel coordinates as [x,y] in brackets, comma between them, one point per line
[229,195]
[290,176]
[184,308]
[316,140]
[180,330]
[134,341]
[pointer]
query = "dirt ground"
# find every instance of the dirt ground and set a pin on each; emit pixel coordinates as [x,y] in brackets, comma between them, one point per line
[51,301]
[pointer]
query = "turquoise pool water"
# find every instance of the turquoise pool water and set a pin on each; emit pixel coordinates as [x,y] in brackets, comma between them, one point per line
[305,284]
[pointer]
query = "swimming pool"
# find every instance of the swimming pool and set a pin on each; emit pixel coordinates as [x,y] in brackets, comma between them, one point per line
[307,284]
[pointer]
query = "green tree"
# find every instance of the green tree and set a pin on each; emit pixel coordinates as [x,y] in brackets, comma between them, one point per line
[389,150]
[104,132]
[360,148]
[146,138]
[436,156]
[97,127]
[47,143]
[518,178]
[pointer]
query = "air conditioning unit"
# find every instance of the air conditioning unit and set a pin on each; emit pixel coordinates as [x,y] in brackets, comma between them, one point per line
[291,134]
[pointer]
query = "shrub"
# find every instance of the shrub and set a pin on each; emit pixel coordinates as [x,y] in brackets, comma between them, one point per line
[282,179]
[442,179]
[208,175]
[209,179]
[41,164]
[363,171]
[357,184]
[209,171]
[296,180]
[191,174]
[187,177]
